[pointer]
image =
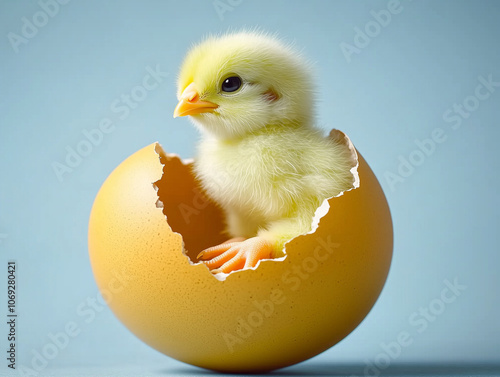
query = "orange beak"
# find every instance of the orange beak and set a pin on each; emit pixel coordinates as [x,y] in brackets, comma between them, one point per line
[190,103]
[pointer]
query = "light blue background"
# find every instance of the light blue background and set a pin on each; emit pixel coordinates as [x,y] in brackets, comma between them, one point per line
[393,91]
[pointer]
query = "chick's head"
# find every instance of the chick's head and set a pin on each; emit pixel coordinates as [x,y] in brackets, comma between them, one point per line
[238,83]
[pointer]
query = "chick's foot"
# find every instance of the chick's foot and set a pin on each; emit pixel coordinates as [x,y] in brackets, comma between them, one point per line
[233,256]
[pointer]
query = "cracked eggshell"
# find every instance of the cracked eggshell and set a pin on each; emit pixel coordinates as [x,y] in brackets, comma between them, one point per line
[279,314]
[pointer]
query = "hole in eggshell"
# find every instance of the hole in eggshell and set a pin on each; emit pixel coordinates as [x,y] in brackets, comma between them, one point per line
[199,221]
[188,210]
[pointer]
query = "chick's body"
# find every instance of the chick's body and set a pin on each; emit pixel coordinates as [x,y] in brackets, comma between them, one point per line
[271,182]
[261,158]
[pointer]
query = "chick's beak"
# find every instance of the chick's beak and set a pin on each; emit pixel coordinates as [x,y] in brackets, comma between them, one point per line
[190,103]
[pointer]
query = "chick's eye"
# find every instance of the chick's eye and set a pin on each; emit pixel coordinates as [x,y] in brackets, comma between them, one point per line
[231,84]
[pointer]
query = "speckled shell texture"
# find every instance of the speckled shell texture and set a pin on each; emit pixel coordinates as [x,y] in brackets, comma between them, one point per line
[279,314]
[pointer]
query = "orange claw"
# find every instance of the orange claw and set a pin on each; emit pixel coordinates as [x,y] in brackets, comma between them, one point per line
[233,256]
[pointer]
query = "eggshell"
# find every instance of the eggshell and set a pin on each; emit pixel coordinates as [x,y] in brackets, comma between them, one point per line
[278,314]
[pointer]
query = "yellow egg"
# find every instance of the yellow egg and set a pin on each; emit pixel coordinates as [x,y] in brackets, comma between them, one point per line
[278,314]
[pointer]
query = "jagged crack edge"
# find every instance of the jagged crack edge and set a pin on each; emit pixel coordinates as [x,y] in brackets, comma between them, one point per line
[324,208]
[159,204]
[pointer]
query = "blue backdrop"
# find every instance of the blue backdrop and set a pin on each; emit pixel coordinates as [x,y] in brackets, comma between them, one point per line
[416,85]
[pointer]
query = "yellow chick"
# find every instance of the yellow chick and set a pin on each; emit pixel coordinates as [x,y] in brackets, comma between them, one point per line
[261,157]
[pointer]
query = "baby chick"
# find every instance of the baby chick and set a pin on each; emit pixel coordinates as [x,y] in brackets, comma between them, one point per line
[261,158]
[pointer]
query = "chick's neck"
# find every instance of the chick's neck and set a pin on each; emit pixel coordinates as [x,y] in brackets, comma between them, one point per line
[278,128]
